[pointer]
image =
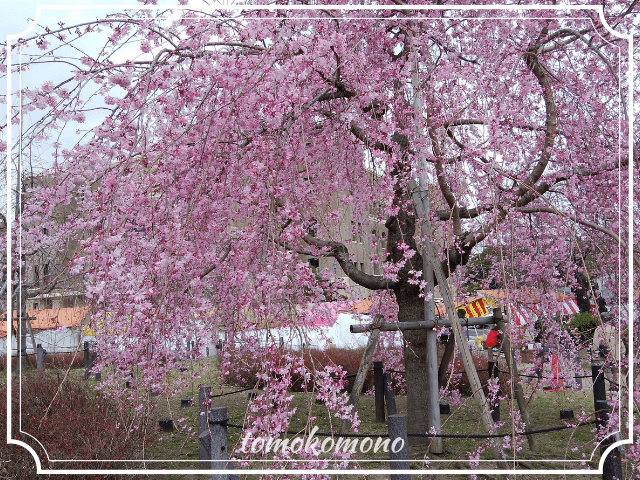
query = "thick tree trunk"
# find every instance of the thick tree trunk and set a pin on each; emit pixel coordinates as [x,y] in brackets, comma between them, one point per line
[411,309]
[415,360]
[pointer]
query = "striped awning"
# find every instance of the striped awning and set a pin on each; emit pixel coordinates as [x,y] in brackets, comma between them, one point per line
[570,307]
[521,316]
[475,309]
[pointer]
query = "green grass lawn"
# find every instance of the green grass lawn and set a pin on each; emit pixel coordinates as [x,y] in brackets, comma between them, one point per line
[178,450]
[554,450]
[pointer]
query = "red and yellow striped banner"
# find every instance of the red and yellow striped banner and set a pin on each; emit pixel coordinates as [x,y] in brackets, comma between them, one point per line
[476,309]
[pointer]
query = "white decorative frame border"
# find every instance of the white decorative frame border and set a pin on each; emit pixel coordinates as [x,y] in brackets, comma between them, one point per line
[597,8]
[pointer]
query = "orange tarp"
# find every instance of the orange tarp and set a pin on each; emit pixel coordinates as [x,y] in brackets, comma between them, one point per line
[49,318]
[362,306]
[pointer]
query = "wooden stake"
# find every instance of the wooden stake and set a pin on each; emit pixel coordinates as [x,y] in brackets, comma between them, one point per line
[363,369]
[446,358]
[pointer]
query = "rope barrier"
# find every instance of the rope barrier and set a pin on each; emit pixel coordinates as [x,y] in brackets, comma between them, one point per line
[507,373]
[251,388]
[352,375]
[501,435]
[231,393]
[611,382]
[538,376]
[455,373]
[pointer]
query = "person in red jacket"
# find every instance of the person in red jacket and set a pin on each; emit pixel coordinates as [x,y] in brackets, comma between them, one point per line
[494,338]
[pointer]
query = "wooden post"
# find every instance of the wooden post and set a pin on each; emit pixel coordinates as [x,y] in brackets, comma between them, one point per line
[389,397]
[213,441]
[203,426]
[448,355]
[94,358]
[88,358]
[362,370]
[378,384]
[30,329]
[204,395]
[40,353]
[399,448]
[515,377]
[612,467]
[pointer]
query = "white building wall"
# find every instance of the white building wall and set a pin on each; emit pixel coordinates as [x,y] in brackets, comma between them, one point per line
[62,340]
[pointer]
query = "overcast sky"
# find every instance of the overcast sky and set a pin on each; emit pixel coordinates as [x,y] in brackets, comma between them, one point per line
[16,12]
[15,18]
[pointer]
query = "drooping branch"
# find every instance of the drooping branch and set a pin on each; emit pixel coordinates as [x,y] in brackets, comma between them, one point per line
[362,136]
[586,223]
[442,181]
[534,65]
[463,212]
[340,252]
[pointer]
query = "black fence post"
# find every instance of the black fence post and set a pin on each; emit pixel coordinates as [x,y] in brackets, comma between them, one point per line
[599,390]
[389,397]
[495,407]
[612,467]
[399,448]
[378,382]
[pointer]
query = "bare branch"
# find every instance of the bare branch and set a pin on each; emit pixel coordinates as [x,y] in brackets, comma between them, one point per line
[341,254]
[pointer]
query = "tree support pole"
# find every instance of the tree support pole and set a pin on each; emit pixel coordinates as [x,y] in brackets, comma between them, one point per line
[467,361]
[421,325]
[433,389]
[515,377]
[24,358]
[449,348]
[363,369]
